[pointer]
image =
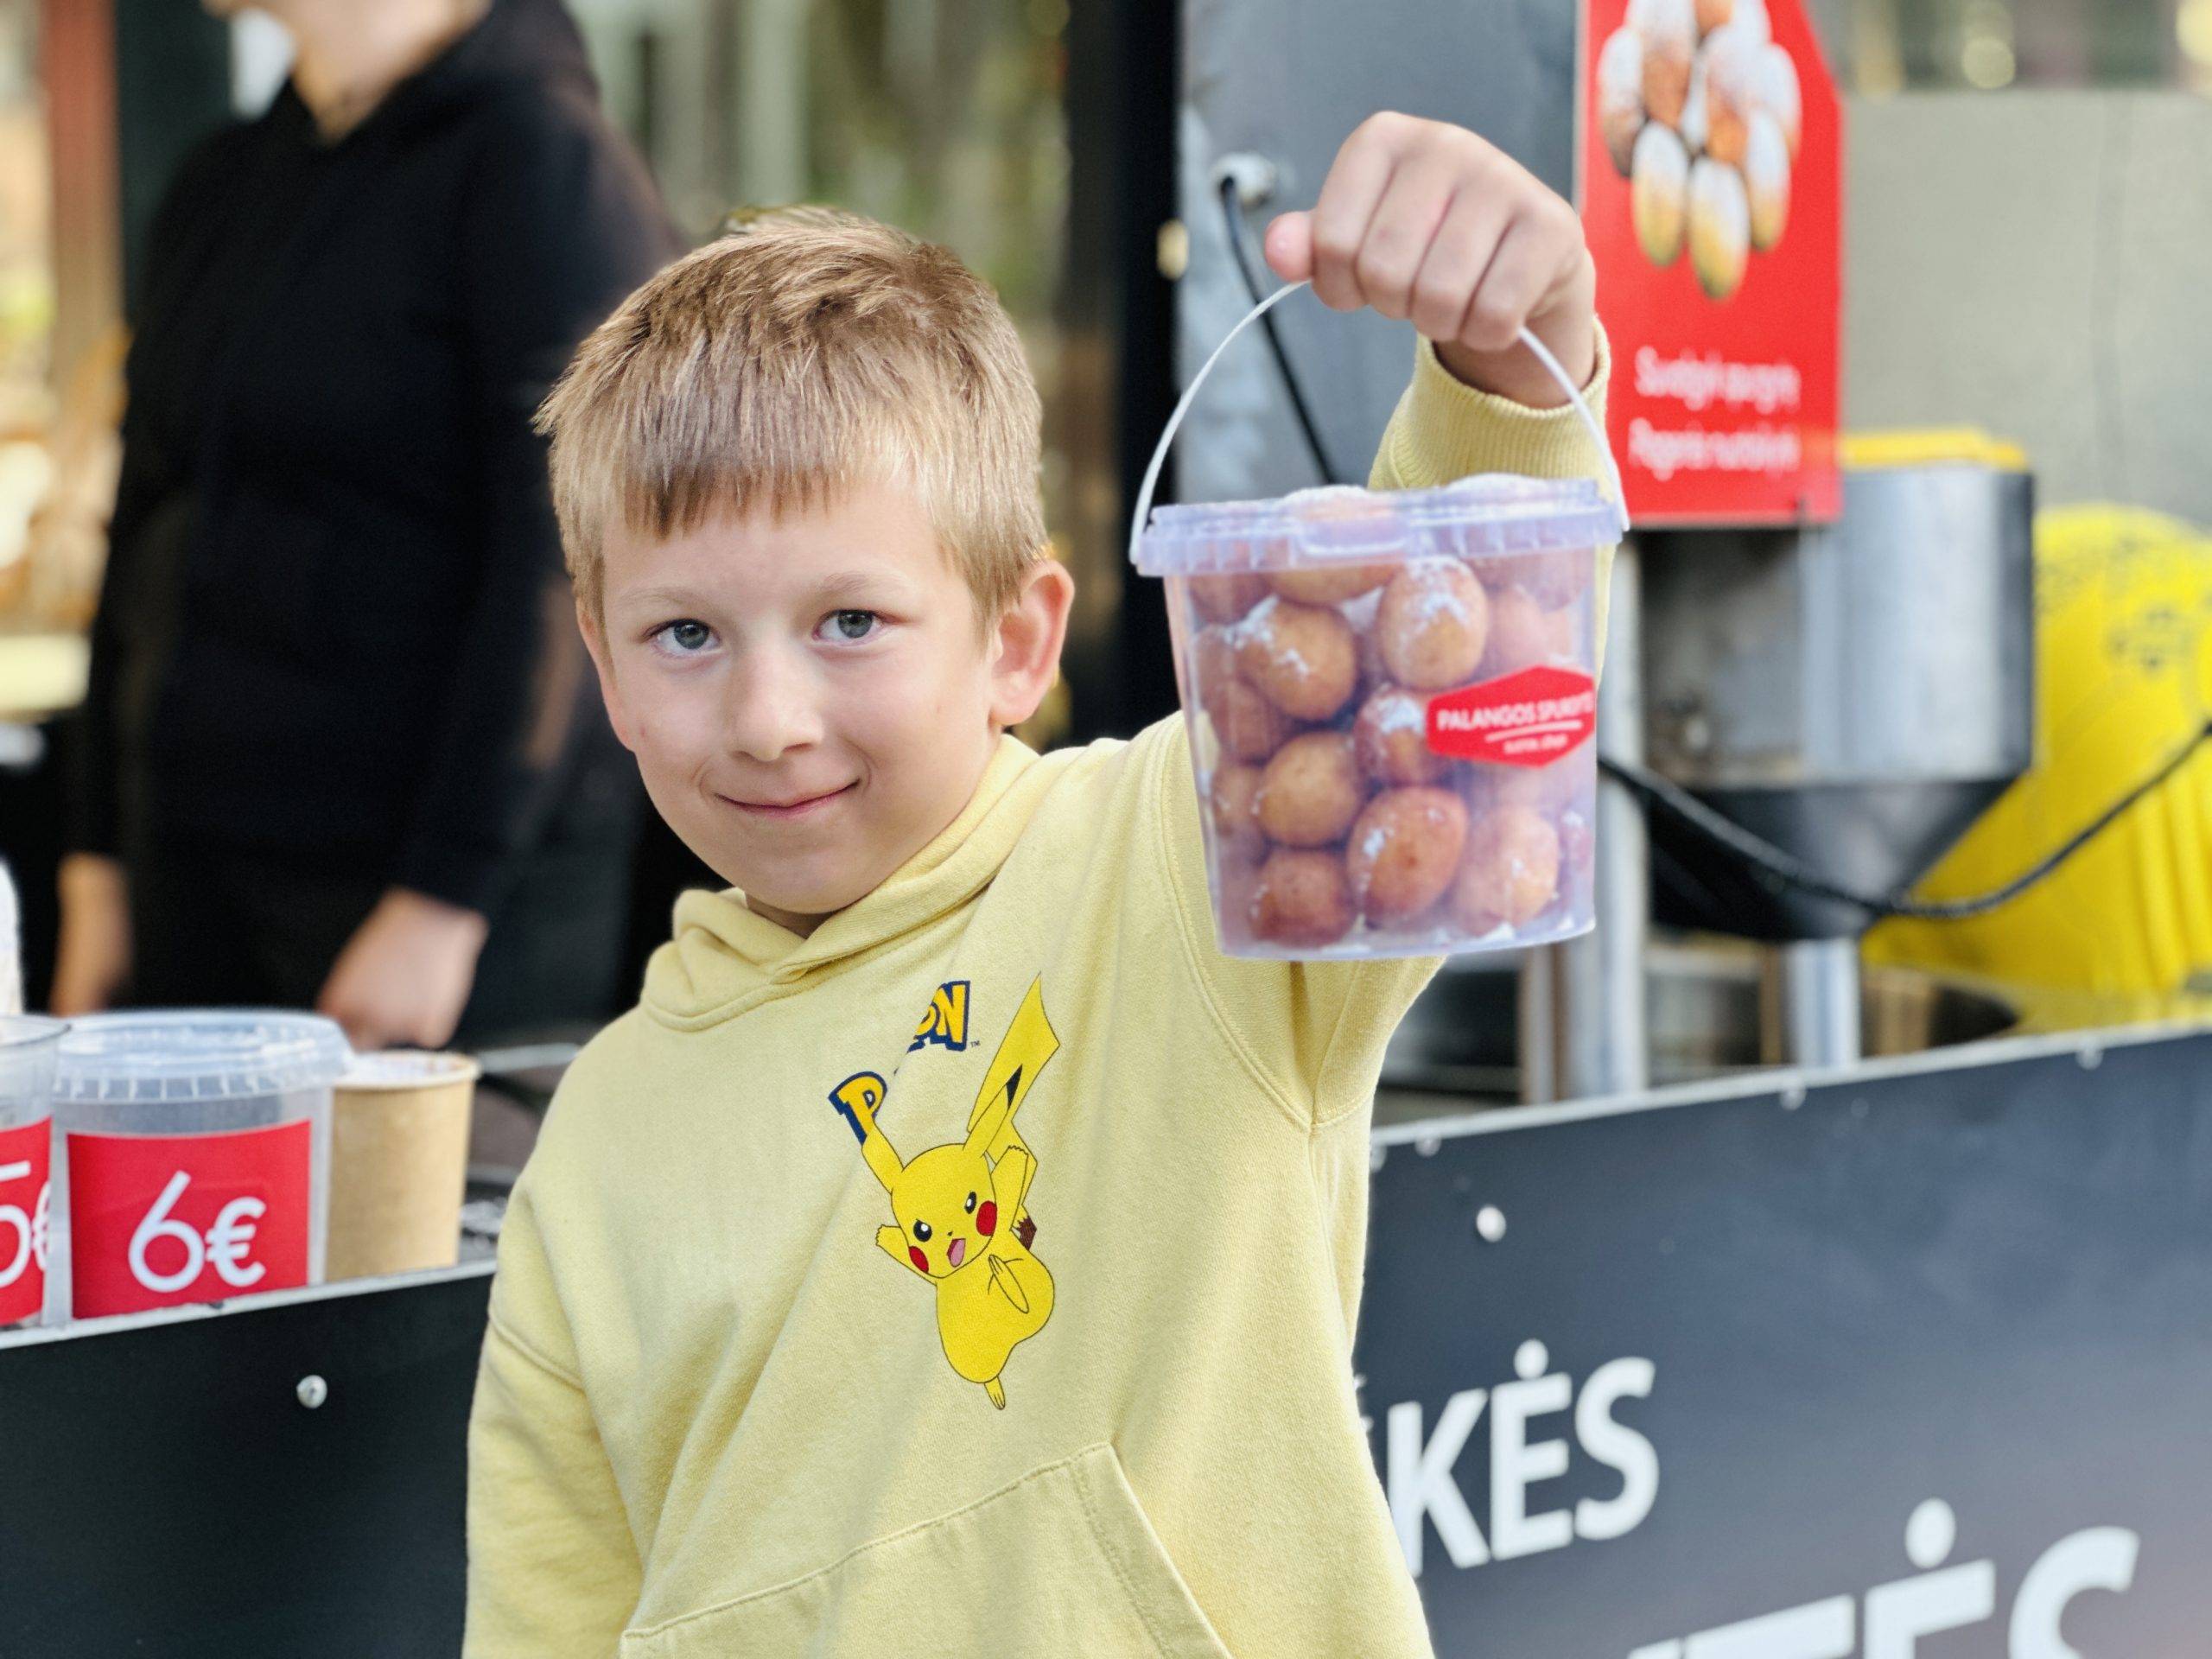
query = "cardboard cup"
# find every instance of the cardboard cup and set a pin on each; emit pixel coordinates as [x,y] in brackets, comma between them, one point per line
[399,1162]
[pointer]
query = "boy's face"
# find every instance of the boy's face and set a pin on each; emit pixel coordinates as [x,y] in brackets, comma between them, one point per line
[810,697]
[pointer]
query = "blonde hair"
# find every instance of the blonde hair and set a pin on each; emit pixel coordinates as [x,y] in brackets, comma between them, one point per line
[806,353]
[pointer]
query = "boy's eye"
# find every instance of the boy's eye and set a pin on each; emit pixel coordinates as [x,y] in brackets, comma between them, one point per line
[921,1231]
[850,625]
[684,637]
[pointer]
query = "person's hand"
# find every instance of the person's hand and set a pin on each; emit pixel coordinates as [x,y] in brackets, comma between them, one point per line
[403,977]
[1428,223]
[94,958]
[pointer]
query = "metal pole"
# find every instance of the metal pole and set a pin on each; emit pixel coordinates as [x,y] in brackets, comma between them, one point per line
[1820,1001]
[1582,1003]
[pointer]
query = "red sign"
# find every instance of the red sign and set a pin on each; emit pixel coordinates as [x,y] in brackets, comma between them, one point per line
[26,1152]
[1526,718]
[156,1220]
[1710,156]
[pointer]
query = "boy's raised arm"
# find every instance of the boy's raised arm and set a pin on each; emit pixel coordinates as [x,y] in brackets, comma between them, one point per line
[553,1568]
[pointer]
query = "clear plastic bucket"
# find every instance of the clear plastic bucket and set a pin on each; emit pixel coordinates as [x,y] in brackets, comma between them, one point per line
[194,1155]
[28,1046]
[1392,705]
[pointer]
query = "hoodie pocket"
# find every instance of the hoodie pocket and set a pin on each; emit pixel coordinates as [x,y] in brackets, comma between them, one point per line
[1062,1561]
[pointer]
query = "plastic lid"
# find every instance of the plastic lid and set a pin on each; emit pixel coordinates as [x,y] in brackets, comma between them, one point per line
[1493,513]
[20,1032]
[199,1054]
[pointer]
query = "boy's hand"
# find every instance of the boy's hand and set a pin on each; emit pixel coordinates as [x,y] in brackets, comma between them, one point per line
[1429,224]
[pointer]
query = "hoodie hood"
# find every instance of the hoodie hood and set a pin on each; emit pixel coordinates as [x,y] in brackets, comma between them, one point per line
[725,957]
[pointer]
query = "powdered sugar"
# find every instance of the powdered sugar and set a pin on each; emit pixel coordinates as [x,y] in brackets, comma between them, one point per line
[1258,623]
[1438,600]
[1400,713]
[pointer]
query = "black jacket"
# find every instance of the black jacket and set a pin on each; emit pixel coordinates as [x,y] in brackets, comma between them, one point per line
[334,628]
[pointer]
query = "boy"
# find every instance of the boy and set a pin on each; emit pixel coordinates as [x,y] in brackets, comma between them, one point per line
[963,1009]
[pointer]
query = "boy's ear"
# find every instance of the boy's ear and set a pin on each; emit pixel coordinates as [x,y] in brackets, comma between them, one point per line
[1026,642]
[595,643]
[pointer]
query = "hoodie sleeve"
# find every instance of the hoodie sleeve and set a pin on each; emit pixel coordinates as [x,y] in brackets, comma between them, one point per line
[1312,1033]
[553,1568]
[562,225]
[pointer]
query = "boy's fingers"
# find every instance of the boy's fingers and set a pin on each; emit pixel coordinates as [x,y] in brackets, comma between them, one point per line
[1349,197]
[1289,246]
[1458,254]
[1516,279]
[1417,201]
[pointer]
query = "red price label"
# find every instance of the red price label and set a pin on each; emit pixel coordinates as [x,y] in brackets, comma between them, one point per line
[1527,719]
[26,1155]
[156,1220]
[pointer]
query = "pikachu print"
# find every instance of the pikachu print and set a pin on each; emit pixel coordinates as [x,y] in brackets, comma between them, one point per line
[963,1220]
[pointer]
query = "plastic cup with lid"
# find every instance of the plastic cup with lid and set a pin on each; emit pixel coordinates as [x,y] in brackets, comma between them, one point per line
[193,1162]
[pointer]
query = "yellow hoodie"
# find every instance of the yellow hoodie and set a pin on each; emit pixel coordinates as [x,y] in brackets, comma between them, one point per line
[722,1411]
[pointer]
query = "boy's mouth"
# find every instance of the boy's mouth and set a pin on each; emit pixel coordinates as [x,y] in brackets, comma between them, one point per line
[797,806]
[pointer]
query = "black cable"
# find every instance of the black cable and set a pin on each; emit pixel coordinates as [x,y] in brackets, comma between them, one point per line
[1782,869]
[1233,213]
[1778,868]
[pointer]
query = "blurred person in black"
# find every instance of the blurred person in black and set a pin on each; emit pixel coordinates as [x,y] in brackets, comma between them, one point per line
[341,747]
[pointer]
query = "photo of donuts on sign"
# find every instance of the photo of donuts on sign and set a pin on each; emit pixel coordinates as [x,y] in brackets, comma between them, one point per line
[1709,160]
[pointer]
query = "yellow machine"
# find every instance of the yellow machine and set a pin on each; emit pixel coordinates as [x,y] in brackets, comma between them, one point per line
[2123,680]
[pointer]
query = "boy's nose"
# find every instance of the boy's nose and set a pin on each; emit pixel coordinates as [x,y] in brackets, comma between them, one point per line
[771,709]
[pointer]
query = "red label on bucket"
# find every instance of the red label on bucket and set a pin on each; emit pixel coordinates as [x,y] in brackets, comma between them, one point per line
[156,1220]
[26,1154]
[1525,719]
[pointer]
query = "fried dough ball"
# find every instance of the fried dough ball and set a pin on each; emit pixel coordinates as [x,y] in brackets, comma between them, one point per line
[1391,735]
[1236,796]
[1549,790]
[1731,60]
[1720,227]
[1303,898]
[1311,791]
[1510,871]
[1659,174]
[1402,852]
[1669,32]
[1328,584]
[1433,624]
[1620,95]
[1524,633]
[1250,727]
[1303,657]
[1224,598]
